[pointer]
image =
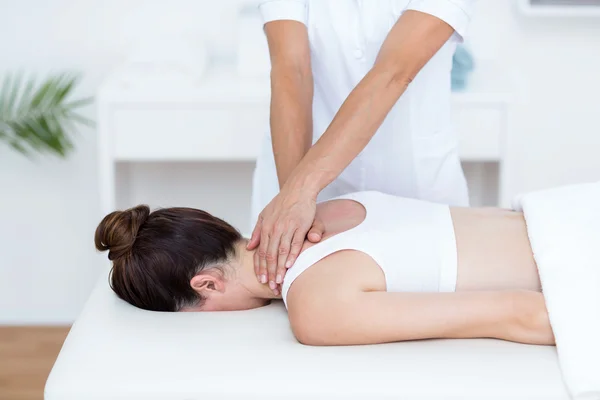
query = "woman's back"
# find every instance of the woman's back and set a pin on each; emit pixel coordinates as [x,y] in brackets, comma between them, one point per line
[494,252]
[385,243]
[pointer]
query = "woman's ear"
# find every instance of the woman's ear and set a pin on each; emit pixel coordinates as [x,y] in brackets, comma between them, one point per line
[206,284]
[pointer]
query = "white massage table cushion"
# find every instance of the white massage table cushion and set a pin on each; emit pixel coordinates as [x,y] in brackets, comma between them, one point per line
[115,351]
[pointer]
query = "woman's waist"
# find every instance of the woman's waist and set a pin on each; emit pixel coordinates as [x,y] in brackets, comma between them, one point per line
[493,249]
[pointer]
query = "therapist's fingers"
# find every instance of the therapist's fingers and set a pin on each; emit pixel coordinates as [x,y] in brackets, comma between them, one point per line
[273,255]
[295,248]
[257,265]
[252,243]
[315,234]
[255,237]
[262,255]
[284,251]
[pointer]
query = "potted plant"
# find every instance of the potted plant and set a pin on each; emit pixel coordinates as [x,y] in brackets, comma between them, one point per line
[40,117]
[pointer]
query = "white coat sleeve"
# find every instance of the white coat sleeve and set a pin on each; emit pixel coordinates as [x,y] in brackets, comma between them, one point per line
[272,10]
[456,13]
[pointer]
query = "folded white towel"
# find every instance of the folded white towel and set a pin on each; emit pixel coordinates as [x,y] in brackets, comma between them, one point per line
[564,231]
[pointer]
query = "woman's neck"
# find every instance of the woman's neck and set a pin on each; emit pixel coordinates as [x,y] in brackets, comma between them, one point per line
[247,277]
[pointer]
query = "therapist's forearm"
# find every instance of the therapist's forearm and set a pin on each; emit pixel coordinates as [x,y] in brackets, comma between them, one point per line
[291,118]
[350,131]
[412,42]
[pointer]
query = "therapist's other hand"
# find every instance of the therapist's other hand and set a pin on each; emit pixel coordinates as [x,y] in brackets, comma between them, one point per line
[280,233]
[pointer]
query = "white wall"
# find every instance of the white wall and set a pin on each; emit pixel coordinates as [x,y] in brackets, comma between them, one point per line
[49,208]
[555,125]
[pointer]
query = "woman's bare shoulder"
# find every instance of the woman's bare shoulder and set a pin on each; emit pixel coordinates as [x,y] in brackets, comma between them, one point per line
[339,207]
[340,215]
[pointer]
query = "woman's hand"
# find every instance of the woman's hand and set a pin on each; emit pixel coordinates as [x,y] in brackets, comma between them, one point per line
[280,232]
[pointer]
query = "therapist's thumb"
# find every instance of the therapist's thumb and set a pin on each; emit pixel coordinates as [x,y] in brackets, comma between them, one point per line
[255,237]
[315,234]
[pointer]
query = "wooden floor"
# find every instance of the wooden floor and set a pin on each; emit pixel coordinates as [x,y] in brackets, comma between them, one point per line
[27,355]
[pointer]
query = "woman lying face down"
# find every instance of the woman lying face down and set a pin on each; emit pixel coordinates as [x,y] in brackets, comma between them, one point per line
[179,259]
[387,269]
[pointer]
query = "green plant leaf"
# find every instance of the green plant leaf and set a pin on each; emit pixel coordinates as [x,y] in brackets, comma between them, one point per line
[13,93]
[80,119]
[26,95]
[15,144]
[40,117]
[79,103]
[4,91]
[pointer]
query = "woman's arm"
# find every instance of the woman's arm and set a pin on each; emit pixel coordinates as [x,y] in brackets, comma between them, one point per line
[291,94]
[341,300]
[380,317]
[283,225]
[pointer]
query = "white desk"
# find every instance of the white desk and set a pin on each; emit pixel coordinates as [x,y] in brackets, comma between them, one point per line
[224,117]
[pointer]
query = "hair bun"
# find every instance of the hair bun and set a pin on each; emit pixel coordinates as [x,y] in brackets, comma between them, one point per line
[118,230]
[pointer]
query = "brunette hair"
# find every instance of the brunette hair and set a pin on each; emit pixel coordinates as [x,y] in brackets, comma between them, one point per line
[155,255]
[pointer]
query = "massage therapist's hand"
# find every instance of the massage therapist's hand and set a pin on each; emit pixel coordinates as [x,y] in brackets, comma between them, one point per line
[280,232]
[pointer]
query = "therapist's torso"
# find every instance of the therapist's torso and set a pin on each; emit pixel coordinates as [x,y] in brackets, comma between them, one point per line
[414,152]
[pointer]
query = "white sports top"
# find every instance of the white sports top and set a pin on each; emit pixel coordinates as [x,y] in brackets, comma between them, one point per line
[412,241]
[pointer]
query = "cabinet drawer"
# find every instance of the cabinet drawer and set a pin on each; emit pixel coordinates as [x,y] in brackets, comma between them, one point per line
[189,133]
[479,131]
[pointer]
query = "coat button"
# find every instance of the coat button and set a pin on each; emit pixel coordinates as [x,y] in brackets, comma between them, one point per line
[358,53]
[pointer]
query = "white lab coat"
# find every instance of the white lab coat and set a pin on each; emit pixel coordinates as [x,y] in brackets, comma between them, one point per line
[414,152]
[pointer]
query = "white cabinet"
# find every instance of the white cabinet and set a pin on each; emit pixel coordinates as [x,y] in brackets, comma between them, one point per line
[479,132]
[224,119]
[207,132]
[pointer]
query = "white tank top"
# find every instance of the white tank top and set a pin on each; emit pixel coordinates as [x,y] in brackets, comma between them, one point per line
[411,240]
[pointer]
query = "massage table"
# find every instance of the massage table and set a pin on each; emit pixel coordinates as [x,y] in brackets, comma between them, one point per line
[116,351]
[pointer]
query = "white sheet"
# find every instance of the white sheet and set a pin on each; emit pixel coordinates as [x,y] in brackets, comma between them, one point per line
[564,231]
[116,351]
